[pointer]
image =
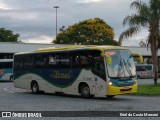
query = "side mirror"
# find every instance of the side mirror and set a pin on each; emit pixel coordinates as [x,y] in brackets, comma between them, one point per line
[109,60]
[138,55]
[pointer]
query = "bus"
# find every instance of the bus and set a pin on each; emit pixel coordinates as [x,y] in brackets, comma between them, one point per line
[100,71]
[6,70]
[144,71]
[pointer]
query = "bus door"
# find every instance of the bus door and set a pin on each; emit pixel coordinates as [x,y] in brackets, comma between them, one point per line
[100,76]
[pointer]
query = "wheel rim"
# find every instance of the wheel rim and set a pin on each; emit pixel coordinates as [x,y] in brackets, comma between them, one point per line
[11,79]
[86,91]
[34,88]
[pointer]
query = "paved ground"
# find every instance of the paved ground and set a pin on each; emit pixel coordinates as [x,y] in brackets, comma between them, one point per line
[147,81]
[12,99]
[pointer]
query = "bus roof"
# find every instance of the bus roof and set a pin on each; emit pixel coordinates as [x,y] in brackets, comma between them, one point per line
[76,47]
[6,60]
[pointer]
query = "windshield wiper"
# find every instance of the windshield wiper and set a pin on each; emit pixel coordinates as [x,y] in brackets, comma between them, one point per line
[127,68]
[120,70]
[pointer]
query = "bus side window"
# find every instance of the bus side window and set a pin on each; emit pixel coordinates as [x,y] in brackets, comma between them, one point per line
[5,65]
[52,60]
[75,61]
[41,61]
[84,60]
[65,61]
[1,65]
[20,62]
[69,62]
[99,69]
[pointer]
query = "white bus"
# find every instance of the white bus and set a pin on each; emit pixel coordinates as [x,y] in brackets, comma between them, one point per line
[79,70]
[6,70]
[144,71]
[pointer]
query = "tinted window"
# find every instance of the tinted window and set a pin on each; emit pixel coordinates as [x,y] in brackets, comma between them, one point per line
[143,68]
[148,68]
[6,65]
[140,68]
[72,59]
[99,69]
[40,61]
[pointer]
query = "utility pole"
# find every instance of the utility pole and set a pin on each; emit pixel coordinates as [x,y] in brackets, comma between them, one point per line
[56,7]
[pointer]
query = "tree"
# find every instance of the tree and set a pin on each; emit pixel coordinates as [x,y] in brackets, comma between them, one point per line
[147,16]
[142,44]
[8,36]
[89,32]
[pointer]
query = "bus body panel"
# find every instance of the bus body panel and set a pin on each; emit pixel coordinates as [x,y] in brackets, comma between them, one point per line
[97,88]
[144,70]
[114,90]
[25,81]
[54,73]
[85,76]
[5,74]
[6,71]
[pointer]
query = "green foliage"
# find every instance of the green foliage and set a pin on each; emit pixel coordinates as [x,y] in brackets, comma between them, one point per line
[89,32]
[8,36]
[147,16]
[149,90]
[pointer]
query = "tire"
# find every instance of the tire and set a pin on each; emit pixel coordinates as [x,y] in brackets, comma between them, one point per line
[85,91]
[110,96]
[11,78]
[35,88]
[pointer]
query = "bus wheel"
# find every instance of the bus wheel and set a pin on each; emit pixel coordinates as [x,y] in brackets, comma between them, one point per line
[11,78]
[85,91]
[110,96]
[35,87]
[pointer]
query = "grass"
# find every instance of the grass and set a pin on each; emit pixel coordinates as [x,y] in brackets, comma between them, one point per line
[148,90]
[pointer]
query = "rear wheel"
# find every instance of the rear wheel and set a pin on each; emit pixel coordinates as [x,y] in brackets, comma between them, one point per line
[35,88]
[11,78]
[85,91]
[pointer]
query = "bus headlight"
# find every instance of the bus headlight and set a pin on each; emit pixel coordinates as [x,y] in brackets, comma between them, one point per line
[111,84]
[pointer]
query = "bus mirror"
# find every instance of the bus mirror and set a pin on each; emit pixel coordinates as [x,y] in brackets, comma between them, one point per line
[103,55]
[109,60]
[138,55]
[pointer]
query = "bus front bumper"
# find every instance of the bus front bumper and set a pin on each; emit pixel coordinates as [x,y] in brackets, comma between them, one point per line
[114,90]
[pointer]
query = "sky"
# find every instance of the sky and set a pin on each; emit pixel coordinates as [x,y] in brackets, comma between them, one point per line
[35,20]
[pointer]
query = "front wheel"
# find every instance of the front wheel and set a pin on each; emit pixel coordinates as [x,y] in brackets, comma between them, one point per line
[85,91]
[35,88]
[110,96]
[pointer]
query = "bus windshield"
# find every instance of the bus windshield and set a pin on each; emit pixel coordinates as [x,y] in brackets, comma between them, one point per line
[122,64]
